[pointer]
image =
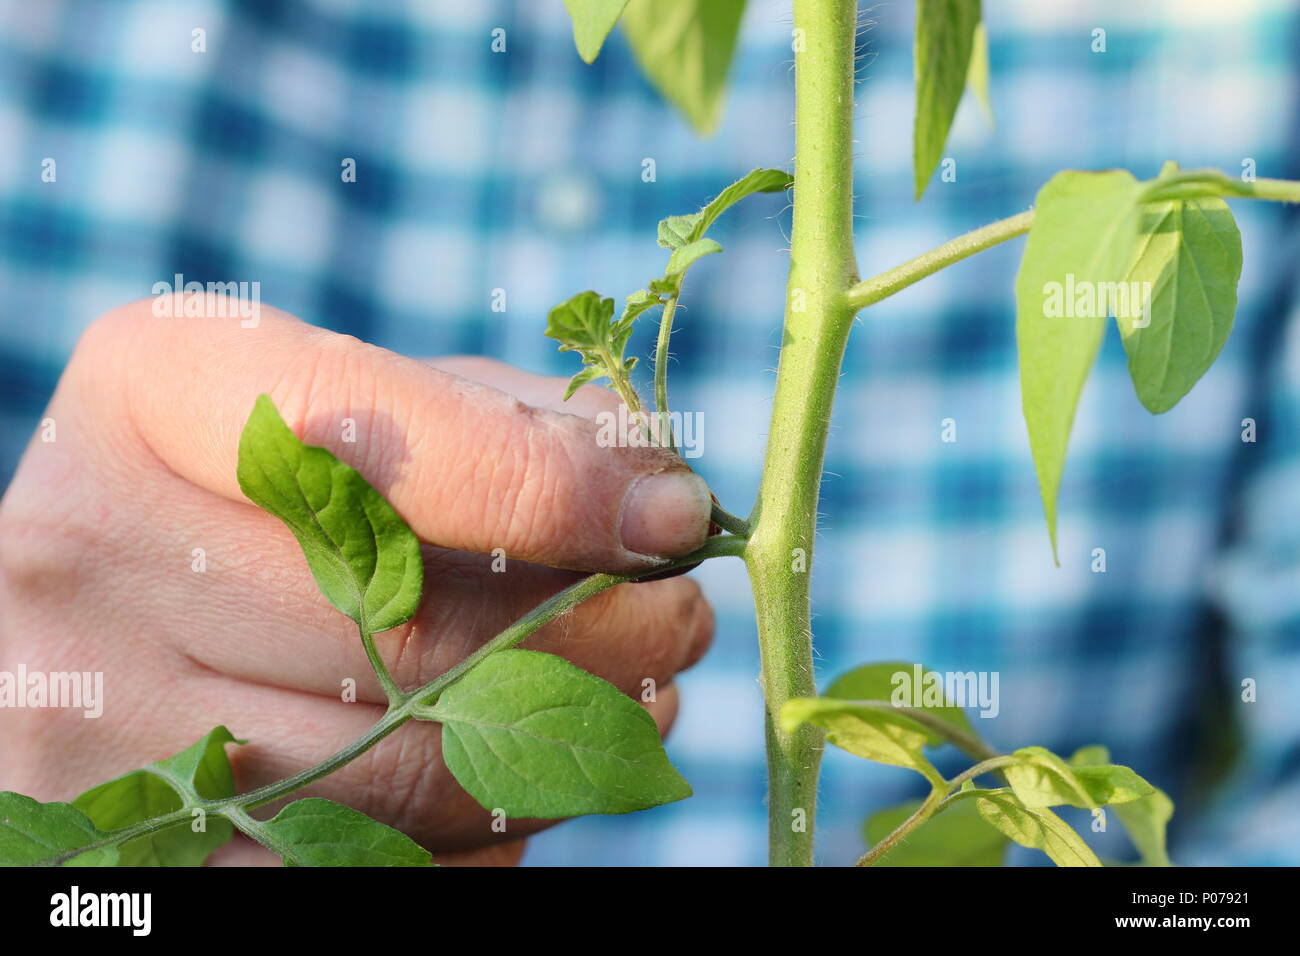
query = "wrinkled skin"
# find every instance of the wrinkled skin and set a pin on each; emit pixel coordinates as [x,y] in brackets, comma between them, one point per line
[99,527]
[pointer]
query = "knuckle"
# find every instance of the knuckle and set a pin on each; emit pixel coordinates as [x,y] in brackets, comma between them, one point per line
[97,352]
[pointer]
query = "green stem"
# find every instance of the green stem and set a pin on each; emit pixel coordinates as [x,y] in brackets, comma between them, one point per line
[1200,184]
[661,368]
[1189,185]
[725,520]
[393,718]
[934,803]
[817,323]
[929,806]
[882,286]
[391,690]
[623,386]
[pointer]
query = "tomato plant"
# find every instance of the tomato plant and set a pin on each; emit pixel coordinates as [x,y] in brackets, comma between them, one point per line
[534,736]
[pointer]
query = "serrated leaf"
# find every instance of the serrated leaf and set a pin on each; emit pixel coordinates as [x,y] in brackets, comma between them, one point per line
[1036,828]
[316,832]
[581,323]
[1085,225]
[364,558]
[958,836]
[977,76]
[885,680]
[877,734]
[945,33]
[685,48]
[32,832]
[683,258]
[584,324]
[1188,261]
[592,22]
[202,769]
[533,735]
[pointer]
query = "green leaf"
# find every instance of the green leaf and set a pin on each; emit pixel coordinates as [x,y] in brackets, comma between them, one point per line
[1042,779]
[588,374]
[33,832]
[1146,820]
[945,33]
[1188,256]
[887,680]
[877,734]
[677,231]
[584,324]
[202,769]
[1036,828]
[683,258]
[1112,784]
[316,832]
[1085,225]
[365,559]
[639,302]
[754,181]
[592,21]
[1090,756]
[581,323]
[958,836]
[204,766]
[977,77]
[685,47]
[533,735]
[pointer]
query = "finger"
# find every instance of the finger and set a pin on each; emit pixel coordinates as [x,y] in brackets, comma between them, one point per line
[467,465]
[539,391]
[255,613]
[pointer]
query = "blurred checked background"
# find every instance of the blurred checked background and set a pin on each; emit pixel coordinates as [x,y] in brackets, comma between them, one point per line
[522,171]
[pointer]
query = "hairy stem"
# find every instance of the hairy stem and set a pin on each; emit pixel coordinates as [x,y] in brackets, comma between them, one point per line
[391,690]
[882,286]
[817,323]
[725,520]
[661,369]
[1200,184]
[936,801]
[929,806]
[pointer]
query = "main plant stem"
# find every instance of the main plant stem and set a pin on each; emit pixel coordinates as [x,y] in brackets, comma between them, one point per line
[817,321]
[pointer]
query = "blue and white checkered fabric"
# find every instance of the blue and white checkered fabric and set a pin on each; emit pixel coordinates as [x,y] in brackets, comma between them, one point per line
[522,171]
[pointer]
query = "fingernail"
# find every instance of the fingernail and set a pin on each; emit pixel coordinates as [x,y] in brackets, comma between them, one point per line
[667,514]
